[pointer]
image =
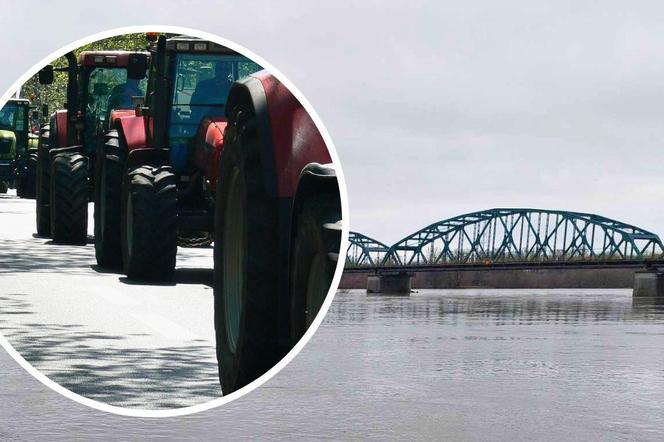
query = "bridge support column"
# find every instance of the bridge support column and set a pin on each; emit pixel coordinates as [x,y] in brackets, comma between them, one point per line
[648,284]
[390,283]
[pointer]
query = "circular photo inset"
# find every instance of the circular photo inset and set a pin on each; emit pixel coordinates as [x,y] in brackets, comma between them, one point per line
[172,222]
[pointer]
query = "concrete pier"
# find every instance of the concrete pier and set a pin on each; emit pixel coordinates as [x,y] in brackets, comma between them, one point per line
[459,277]
[389,283]
[648,283]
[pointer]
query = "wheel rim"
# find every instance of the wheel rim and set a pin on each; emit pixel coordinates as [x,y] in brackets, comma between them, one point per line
[130,224]
[234,263]
[317,287]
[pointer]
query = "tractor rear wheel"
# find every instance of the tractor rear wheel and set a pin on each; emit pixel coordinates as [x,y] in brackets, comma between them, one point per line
[31,177]
[25,185]
[149,223]
[314,255]
[245,265]
[43,183]
[69,198]
[18,185]
[108,203]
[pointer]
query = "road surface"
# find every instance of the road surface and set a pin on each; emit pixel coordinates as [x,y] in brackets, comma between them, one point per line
[98,334]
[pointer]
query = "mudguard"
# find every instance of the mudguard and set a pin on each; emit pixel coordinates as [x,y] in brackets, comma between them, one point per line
[293,139]
[78,148]
[141,156]
[60,120]
[207,148]
[119,113]
[132,128]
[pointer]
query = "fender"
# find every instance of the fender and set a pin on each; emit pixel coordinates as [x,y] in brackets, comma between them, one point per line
[137,157]
[119,113]
[208,145]
[60,119]
[295,138]
[132,128]
[78,148]
[315,179]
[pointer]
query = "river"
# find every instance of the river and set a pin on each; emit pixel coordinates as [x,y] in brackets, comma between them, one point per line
[440,364]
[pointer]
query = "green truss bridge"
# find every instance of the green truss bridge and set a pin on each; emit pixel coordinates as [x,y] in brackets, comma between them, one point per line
[511,236]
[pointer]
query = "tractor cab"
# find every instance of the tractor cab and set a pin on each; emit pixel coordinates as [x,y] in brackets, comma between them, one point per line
[106,89]
[101,84]
[98,84]
[190,80]
[13,142]
[14,126]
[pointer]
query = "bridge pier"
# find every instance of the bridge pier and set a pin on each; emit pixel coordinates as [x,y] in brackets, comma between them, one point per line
[391,283]
[648,283]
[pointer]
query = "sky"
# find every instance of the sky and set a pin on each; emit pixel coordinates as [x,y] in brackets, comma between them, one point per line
[440,108]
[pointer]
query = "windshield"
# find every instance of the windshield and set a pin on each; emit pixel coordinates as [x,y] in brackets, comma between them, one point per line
[201,85]
[109,89]
[10,117]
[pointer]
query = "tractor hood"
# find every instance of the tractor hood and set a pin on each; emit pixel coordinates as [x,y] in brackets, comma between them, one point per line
[7,145]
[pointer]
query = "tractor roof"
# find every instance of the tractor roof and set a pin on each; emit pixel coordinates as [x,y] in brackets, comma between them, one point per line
[106,58]
[19,100]
[184,43]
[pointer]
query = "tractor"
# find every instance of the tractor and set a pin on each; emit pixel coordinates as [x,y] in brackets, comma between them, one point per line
[18,157]
[225,148]
[189,81]
[100,88]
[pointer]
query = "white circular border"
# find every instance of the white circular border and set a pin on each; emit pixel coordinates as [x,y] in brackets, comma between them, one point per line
[344,239]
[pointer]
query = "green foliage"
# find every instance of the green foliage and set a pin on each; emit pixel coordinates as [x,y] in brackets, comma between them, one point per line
[55,94]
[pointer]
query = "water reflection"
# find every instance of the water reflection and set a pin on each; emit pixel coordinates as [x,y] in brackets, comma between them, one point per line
[498,307]
[439,365]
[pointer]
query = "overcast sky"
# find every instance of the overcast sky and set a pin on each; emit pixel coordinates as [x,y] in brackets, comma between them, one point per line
[440,108]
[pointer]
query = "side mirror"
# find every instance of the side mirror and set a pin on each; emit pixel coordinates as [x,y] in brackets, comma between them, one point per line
[45,110]
[137,65]
[46,74]
[35,115]
[100,89]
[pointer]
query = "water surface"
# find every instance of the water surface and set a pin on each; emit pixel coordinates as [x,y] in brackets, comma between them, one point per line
[447,364]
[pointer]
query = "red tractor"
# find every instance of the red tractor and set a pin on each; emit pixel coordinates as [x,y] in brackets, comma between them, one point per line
[220,148]
[100,84]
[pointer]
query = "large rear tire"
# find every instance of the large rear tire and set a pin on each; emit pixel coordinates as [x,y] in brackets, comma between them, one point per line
[314,257]
[29,189]
[69,198]
[43,183]
[245,264]
[108,203]
[25,186]
[149,223]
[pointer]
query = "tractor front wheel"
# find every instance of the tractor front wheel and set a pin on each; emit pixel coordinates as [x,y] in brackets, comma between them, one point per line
[149,223]
[29,183]
[43,183]
[108,203]
[69,198]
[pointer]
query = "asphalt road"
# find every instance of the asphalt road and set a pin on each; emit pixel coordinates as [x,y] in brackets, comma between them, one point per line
[98,334]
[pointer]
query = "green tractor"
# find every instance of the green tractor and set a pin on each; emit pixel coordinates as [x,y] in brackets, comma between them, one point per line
[18,152]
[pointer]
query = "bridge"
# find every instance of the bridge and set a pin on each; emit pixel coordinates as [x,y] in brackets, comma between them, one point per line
[514,239]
